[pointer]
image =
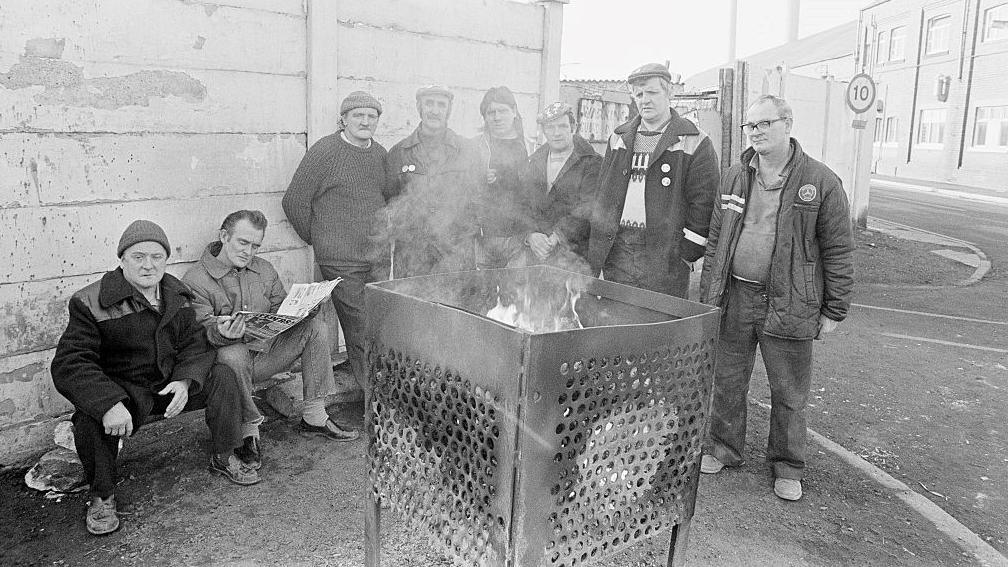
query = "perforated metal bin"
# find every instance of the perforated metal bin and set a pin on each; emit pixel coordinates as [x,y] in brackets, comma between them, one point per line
[514,448]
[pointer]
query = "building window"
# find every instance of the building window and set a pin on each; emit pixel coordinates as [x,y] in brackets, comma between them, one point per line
[878,130]
[932,127]
[897,40]
[891,130]
[938,35]
[882,49]
[991,127]
[996,23]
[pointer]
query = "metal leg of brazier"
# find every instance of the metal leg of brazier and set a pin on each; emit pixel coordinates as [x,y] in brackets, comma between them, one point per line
[677,544]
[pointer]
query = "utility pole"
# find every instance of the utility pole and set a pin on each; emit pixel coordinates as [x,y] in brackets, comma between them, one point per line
[732,30]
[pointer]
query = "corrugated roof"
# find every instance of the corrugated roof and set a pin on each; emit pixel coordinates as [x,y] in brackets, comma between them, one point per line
[833,43]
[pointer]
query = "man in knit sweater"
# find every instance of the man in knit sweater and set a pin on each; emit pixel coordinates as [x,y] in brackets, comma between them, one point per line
[333,203]
[432,176]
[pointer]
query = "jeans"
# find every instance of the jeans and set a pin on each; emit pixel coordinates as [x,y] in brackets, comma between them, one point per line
[788,365]
[308,340]
[98,451]
[348,299]
[631,263]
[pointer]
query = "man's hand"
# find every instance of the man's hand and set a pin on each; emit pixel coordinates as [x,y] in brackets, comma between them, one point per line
[540,244]
[231,326]
[180,389]
[118,421]
[826,325]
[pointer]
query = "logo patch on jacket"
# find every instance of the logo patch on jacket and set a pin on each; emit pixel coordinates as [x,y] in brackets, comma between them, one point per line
[807,193]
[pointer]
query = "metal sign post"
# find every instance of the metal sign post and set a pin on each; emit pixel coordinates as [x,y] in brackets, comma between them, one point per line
[861,93]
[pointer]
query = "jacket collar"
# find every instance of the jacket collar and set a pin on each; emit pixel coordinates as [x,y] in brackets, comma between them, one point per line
[215,267]
[677,127]
[581,149]
[451,138]
[797,156]
[115,289]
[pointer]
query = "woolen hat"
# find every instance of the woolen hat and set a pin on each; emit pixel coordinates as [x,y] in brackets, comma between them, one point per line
[555,110]
[142,231]
[434,90]
[650,70]
[359,99]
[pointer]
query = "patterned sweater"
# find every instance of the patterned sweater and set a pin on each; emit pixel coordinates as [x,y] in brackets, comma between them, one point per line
[333,199]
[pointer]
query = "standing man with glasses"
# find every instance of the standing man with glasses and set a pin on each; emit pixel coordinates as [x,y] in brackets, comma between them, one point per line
[657,187]
[779,264]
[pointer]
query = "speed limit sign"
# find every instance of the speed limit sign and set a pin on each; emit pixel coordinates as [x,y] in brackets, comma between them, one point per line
[860,93]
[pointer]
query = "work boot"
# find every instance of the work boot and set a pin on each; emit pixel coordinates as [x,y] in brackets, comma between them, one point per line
[250,453]
[330,430]
[787,488]
[101,516]
[233,469]
[709,464]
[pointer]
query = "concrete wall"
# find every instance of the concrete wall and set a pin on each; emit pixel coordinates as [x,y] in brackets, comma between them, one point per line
[908,86]
[112,110]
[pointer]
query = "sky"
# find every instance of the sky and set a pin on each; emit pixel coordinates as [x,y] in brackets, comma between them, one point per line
[602,40]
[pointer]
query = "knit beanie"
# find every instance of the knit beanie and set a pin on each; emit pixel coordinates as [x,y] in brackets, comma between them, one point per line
[359,99]
[142,231]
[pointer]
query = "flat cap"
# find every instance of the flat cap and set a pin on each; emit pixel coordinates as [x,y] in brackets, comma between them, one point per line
[648,71]
[555,110]
[432,90]
[359,99]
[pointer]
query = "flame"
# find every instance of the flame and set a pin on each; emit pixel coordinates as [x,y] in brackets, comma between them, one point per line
[536,309]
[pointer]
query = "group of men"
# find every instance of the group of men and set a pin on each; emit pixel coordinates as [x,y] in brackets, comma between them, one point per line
[774,233]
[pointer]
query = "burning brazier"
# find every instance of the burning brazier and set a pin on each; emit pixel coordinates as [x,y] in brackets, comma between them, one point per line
[556,438]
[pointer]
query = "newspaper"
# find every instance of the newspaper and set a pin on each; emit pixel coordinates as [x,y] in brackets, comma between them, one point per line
[295,307]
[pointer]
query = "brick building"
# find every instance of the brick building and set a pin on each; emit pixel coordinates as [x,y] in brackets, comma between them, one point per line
[940,68]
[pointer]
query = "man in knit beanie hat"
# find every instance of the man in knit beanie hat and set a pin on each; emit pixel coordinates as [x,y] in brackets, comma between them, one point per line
[333,203]
[133,348]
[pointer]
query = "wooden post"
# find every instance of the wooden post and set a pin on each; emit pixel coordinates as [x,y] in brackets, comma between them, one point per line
[677,544]
[725,102]
[549,70]
[323,98]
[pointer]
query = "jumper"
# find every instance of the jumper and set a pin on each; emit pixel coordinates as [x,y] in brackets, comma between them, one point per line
[334,197]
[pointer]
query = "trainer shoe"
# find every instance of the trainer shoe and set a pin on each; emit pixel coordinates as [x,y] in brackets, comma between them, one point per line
[709,464]
[101,516]
[231,467]
[329,429]
[787,488]
[250,453]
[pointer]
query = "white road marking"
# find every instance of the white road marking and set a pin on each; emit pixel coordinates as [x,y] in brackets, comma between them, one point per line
[926,314]
[965,538]
[946,343]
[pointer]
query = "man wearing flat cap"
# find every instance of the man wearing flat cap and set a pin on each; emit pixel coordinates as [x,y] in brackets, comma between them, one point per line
[333,203]
[657,189]
[133,348]
[432,176]
[562,176]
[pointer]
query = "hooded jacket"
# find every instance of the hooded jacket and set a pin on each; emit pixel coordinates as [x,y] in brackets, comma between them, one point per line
[811,267]
[680,188]
[117,347]
[565,207]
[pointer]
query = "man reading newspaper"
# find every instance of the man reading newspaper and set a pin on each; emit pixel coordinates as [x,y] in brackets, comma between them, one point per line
[232,285]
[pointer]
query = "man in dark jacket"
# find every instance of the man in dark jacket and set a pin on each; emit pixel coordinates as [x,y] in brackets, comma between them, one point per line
[133,348]
[778,263]
[562,177]
[333,202]
[432,180]
[657,187]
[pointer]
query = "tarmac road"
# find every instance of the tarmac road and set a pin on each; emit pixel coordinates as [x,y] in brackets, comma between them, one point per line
[923,395]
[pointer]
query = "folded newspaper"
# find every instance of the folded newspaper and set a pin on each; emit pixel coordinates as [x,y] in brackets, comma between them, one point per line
[298,304]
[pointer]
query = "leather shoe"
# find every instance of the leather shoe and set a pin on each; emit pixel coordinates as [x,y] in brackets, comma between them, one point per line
[787,488]
[709,464]
[102,517]
[231,467]
[250,453]
[330,430]
[343,367]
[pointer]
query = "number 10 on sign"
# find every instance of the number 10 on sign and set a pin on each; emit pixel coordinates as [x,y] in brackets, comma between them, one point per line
[860,93]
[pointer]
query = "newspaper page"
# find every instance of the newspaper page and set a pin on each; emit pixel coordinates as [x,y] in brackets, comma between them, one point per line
[299,302]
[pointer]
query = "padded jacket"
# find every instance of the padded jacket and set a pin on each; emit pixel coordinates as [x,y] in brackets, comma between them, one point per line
[811,267]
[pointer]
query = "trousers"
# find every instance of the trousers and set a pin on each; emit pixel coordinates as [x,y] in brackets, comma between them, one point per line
[631,263]
[788,366]
[348,299]
[98,451]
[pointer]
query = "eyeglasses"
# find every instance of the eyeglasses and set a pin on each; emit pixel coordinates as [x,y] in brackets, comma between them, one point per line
[761,126]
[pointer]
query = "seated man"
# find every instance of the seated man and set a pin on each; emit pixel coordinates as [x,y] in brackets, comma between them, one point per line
[228,278]
[133,348]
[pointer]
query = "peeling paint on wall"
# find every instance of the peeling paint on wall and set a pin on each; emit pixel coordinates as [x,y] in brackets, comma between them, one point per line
[50,47]
[26,373]
[65,85]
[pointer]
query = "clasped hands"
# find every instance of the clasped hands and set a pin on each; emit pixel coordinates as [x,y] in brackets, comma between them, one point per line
[542,246]
[118,421]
